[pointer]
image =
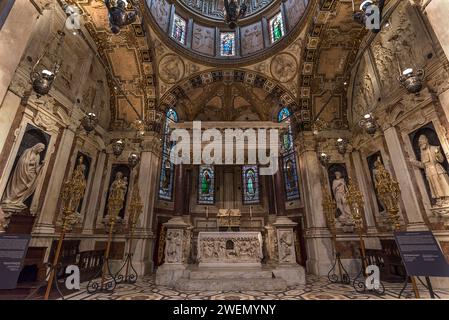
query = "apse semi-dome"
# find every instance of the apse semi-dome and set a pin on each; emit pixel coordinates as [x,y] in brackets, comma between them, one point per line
[198,28]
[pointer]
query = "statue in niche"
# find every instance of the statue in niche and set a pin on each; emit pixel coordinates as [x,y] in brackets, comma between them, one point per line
[431,161]
[78,183]
[339,188]
[118,190]
[24,180]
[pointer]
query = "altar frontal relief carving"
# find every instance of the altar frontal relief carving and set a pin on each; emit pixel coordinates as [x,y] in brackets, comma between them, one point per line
[26,171]
[229,248]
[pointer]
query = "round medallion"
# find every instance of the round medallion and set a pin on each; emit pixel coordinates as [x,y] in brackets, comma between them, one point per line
[284,67]
[171,68]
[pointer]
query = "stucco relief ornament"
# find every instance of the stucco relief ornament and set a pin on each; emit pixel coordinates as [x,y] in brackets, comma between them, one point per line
[171,68]
[284,67]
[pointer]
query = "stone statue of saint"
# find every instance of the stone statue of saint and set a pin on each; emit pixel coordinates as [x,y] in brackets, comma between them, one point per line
[24,179]
[117,193]
[339,188]
[431,161]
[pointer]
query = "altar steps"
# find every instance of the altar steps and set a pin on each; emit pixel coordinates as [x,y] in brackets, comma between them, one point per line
[240,279]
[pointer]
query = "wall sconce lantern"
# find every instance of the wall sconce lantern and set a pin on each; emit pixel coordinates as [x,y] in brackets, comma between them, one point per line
[233,11]
[133,160]
[89,122]
[324,159]
[42,77]
[369,124]
[117,147]
[412,80]
[342,146]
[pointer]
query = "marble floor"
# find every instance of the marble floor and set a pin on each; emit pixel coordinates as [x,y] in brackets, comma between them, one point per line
[316,288]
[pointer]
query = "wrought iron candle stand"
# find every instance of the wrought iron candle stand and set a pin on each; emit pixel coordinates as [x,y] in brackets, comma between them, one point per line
[72,193]
[115,204]
[389,193]
[136,205]
[356,203]
[330,207]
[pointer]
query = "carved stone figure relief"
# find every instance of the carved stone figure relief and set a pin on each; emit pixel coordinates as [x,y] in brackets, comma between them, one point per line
[252,38]
[294,10]
[286,246]
[230,247]
[203,39]
[363,94]
[161,10]
[173,249]
[171,68]
[284,67]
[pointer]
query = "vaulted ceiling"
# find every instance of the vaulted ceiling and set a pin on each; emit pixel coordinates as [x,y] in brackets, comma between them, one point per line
[306,75]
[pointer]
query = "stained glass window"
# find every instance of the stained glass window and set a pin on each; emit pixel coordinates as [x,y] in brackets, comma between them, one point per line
[167,168]
[227,44]
[179,29]
[206,190]
[288,155]
[277,30]
[250,178]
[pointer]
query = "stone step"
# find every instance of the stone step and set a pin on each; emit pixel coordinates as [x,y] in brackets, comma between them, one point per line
[272,284]
[217,274]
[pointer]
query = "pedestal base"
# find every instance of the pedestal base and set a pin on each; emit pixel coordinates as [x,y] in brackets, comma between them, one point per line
[293,275]
[169,274]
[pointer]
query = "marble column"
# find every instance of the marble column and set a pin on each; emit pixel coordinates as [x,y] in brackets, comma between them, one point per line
[148,185]
[180,192]
[409,192]
[178,236]
[318,237]
[437,12]
[95,195]
[48,211]
[363,184]
[279,191]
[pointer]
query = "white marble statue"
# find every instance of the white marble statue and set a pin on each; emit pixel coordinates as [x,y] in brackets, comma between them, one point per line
[24,179]
[431,161]
[339,188]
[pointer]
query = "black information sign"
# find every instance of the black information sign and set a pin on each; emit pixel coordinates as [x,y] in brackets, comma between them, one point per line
[13,249]
[421,254]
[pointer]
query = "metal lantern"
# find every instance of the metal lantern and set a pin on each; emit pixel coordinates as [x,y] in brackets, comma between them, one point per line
[342,146]
[233,11]
[133,160]
[369,124]
[412,80]
[324,159]
[42,77]
[89,122]
[117,147]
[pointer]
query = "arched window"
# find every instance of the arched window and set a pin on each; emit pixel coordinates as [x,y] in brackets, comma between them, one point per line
[250,179]
[167,168]
[206,189]
[289,158]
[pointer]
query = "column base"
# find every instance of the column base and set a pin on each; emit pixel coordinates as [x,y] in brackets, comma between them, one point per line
[292,274]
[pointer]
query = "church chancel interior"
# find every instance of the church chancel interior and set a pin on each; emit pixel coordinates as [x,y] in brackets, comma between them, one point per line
[224,149]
